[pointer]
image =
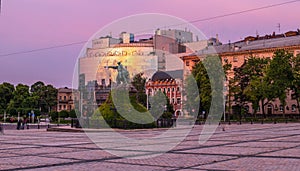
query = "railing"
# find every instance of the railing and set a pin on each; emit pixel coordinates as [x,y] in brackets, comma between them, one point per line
[122,124]
[10,126]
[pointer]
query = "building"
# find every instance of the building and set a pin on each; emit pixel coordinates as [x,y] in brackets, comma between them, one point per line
[170,83]
[161,52]
[66,99]
[261,47]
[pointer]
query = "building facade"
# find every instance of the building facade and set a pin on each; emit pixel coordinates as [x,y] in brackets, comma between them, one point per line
[260,47]
[170,83]
[66,99]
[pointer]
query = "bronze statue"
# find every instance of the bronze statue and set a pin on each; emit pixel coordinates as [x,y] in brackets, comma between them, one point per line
[123,74]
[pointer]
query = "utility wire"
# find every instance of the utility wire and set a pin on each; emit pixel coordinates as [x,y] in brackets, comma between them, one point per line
[193,21]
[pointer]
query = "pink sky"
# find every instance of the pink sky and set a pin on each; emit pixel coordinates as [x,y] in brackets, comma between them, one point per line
[33,24]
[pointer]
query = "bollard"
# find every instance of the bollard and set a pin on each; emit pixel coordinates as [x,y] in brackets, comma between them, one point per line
[262,121]
[27,126]
[48,126]
[251,121]
[38,126]
[286,121]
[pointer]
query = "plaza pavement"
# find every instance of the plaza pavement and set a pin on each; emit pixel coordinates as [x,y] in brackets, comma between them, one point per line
[239,147]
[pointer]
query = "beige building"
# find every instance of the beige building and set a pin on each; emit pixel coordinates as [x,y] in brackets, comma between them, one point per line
[260,47]
[66,99]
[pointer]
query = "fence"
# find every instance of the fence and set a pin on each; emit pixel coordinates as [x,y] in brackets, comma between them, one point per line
[122,124]
[9,126]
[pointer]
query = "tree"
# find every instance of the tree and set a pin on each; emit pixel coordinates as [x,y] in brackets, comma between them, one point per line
[296,82]
[139,82]
[279,76]
[209,76]
[46,95]
[6,94]
[250,83]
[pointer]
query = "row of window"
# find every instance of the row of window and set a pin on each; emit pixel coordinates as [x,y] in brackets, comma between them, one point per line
[293,108]
[164,89]
[64,107]
[65,98]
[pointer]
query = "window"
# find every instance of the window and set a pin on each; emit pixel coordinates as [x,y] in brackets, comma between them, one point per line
[281,108]
[159,89]
[164,90]
[59,97]
[103,81]
[64,107]
[70,97]
[247,108]
[294,108]
[178,100]
[187,63]
[168,89]
[178,88]
[59,107]
[173,100]
[173,89]
[65,97]
[235,59]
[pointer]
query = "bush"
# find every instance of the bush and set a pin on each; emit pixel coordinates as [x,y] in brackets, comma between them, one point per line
[53,115]
[72,114]
[63,114]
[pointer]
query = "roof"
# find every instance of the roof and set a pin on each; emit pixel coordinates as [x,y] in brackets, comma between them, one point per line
[65,90]
[163,75]
[242,46]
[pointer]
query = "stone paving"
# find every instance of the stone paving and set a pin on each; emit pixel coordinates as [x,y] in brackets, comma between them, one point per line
[239,147]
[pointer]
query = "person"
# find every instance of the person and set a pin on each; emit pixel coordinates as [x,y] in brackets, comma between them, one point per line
[19,124]
[1,129]
[24,123]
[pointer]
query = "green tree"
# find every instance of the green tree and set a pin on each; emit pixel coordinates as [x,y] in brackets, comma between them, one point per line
[296,81]
[6,94]
[19,96]
[279,76]
[250,84]
[45,96]
[139,82]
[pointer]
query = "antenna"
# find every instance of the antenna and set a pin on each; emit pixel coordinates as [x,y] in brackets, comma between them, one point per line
[278,26]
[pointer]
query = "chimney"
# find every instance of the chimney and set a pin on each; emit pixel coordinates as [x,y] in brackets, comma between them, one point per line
[217,39]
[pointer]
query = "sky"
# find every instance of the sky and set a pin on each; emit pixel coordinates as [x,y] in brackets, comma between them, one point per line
[33,24]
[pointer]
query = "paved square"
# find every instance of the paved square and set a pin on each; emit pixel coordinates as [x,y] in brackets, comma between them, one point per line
[239,147]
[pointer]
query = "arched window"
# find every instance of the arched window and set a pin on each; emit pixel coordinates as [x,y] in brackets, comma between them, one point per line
[281,108]
[294,108]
